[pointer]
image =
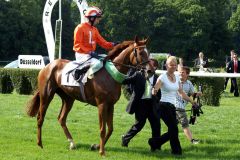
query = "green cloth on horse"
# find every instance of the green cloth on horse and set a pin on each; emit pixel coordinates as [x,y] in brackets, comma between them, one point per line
[111,69]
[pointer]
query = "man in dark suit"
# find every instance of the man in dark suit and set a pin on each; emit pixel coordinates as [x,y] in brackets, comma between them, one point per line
[228,60]
[234,67]
[142,103]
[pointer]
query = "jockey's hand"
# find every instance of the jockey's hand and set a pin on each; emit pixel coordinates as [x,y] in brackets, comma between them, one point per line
[94,54]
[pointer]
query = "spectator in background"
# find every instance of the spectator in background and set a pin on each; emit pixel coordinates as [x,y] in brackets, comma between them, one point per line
[229,59]
[234,67]
[181,104]
[180,63]
[164,63]
[141,102]
[201,62]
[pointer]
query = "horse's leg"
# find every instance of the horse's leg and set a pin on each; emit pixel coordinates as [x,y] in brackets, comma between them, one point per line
[102,115]
[105,117]
[109,123]
[67,103]
[45,99]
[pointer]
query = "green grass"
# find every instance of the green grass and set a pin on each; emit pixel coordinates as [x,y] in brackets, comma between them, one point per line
[218,129]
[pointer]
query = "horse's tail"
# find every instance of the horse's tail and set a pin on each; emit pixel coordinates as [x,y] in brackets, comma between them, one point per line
[33,105]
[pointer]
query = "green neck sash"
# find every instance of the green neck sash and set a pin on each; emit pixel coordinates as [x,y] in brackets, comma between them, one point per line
[112,70]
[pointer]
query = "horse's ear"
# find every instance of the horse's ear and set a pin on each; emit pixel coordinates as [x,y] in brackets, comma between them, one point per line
[146,40]
[136,39]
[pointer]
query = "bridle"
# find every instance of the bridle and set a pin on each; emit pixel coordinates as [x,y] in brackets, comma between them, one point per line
[143,47]
[139,65]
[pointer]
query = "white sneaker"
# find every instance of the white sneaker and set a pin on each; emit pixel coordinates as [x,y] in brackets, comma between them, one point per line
[195,141]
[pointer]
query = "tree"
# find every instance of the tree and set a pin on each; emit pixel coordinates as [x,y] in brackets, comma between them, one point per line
[220,37]
[164,25]
[234,27]
[21,31]
[193,31]
[123,19]
[176,26]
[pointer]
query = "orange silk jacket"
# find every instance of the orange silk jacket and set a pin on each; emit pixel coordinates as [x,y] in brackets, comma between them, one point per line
[86,38]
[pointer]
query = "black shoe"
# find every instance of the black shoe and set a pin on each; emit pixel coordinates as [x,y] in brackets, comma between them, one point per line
[124,141]
[153,145]
[236,94]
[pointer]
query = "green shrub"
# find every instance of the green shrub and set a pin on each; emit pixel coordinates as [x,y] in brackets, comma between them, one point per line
[212,89]
[24,81]
[6,84]
[24,86]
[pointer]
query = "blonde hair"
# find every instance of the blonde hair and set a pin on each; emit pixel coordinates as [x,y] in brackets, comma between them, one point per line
[171,59]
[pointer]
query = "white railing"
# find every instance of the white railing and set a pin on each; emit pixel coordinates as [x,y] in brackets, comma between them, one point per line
[206,74]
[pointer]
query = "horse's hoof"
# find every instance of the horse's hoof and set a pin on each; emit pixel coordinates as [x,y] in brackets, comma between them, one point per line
[40,145]
[72,146]
[102,154]
[94,147]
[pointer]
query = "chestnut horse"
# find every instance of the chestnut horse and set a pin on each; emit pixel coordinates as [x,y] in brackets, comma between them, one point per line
[101,91]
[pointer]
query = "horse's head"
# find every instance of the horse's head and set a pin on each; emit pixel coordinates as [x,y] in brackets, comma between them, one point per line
[129,54]
[139,55]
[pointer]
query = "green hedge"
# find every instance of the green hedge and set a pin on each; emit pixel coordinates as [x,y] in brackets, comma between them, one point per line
[24,81]
[212,88]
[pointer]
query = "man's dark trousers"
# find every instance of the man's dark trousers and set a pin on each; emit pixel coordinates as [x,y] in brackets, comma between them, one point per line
[144,111]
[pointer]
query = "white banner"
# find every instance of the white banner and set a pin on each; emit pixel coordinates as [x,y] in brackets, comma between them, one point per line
[47,26]
[82,6]
[30,61]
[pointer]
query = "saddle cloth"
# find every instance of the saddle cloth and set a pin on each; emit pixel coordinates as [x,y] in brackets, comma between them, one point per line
[67,78]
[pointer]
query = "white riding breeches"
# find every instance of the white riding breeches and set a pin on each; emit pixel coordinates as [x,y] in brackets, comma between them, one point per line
[81,58]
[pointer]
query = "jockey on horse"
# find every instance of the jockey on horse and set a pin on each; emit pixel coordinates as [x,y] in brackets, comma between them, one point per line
[103,91]
[87,36]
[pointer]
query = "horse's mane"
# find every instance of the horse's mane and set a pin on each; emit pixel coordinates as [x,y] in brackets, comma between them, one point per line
[118,49]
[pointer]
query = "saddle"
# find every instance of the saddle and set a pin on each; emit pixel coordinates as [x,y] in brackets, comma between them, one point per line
[75,74]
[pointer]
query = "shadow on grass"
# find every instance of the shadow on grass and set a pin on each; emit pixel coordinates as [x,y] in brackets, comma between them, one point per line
[208,149]
[128,150]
